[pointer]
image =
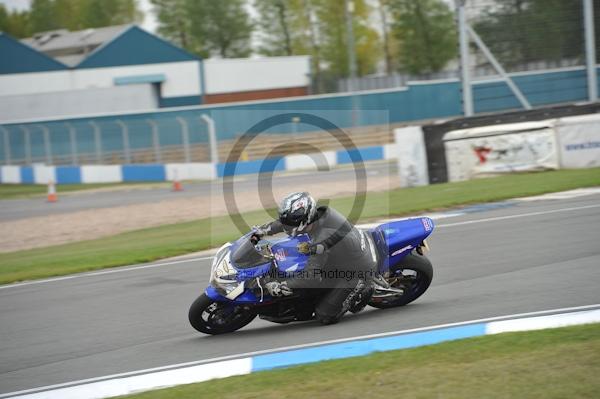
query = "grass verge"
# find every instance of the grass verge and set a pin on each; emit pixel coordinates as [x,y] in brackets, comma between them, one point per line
[171,240]
[16,191]
[556,363]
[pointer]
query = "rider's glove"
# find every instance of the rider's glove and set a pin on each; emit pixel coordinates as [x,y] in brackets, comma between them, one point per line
[308,249]
[257,233]
[276,288]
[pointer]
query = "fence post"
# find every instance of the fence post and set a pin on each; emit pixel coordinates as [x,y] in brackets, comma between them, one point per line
[464,58]
[125,134]
[7,159]
[590,50]
[47,147]
[212,138]
[97,141]
[73,142]
[155,140]
[27,142]
[352,67]
[185,139]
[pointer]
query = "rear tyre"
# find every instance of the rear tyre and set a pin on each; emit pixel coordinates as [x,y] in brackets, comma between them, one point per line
[413,274]
[210,317]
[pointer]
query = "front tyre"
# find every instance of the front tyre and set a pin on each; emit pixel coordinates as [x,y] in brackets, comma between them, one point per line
[413,275]
[210,317]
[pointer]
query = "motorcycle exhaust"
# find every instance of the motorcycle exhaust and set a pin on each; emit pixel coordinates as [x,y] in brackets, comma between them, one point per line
[382,292]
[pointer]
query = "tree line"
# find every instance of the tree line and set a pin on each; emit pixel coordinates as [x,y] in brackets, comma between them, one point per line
[407,35]
[410,36]
[413,36]
[47,15]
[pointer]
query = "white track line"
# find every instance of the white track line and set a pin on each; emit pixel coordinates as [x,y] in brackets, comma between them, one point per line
[150,266]
[295,347]
[562,195]
[520,215]
[99,273]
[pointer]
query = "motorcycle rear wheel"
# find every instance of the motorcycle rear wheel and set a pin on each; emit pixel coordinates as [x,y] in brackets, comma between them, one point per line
[416,276]
[210,317]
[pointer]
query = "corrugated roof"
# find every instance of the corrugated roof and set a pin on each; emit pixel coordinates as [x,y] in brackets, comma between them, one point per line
[63,40]
[105,47]
[71,60]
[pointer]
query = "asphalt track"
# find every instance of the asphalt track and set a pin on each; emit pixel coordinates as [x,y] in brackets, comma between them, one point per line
[527,257]
[15,209]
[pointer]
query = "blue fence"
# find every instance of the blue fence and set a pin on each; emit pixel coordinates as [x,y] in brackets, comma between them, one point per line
[106,138]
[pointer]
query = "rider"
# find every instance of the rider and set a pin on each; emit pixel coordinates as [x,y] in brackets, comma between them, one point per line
[341,256]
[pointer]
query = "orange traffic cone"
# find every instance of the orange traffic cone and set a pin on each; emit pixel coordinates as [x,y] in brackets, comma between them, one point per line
[176,183]
[52,197]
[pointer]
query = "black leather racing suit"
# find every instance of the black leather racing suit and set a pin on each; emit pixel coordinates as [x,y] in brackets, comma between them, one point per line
[344,268]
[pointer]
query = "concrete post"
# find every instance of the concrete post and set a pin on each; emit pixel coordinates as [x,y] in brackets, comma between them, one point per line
[590,50]
[185,139]
[212,138]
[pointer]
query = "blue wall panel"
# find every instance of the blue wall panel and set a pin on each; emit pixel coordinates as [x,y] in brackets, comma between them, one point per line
[144,173]
[365,154]
[539,89]
[27,175]
[68,175]
[250,167]
[179,101]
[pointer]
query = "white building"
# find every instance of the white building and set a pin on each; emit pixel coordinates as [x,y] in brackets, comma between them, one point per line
[124,69]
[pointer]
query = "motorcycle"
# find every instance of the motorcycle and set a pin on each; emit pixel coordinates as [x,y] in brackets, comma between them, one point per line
[235,295]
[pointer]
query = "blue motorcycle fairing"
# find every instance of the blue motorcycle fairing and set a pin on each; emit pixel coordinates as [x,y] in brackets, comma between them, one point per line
[246,297]
[252,272]
[287,257]
[395,240]
[287,261]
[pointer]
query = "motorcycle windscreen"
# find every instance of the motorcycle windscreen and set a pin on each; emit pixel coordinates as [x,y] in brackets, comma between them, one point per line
[402,236]
[244,255]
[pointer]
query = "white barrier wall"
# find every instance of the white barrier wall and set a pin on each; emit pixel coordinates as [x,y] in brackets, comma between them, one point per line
[325,161]
[490,150]
[411,155]
[181,79]
[10,174]
[579,138]
[101,174]
[247,74]
[190,171]
[139,97]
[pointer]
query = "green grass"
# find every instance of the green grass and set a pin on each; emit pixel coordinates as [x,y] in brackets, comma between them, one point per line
[170,240]
[15,191]
[557,363]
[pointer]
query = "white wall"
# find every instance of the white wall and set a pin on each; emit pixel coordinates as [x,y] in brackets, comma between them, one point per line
[411,156]
[140,97]
[182,79]
[243,74]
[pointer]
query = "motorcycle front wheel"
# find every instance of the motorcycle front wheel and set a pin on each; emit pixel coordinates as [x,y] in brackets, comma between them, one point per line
[210,317]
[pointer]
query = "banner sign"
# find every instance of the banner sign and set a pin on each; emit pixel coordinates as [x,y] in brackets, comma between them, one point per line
[579,139]
[497,149]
